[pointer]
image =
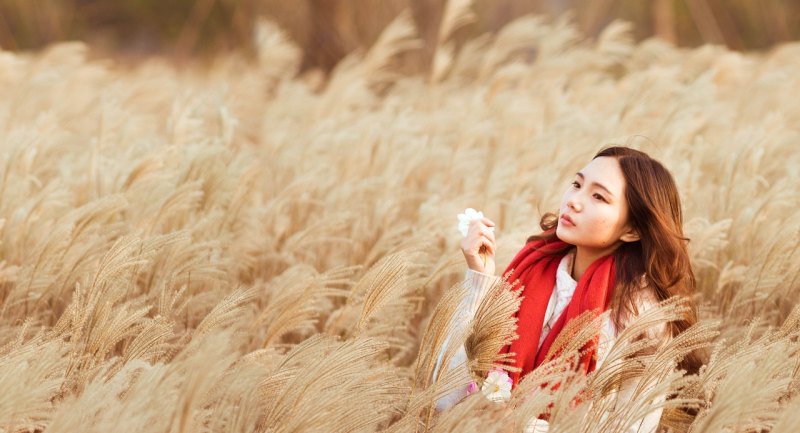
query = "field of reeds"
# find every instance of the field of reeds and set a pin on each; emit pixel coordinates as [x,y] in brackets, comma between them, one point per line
[235,248]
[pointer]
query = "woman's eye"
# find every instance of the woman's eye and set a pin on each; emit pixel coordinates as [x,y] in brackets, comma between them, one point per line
[576,184]
[599,197]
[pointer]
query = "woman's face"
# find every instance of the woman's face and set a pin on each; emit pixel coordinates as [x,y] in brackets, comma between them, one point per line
[594,212]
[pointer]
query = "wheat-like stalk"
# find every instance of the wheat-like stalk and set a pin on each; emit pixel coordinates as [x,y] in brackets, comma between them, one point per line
[230,246]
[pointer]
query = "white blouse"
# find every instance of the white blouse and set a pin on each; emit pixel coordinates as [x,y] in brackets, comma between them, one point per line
[562,294]
[564,288]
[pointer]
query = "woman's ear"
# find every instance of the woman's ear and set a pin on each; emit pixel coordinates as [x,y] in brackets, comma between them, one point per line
[629,235]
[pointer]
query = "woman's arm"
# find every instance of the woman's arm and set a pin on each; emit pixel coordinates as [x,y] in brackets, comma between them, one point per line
[478,284]
[630,390]
[649,423]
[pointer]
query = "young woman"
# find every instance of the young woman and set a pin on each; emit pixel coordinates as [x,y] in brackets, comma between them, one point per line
[616,243]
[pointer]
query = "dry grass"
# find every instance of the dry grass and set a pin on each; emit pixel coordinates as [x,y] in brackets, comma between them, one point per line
[227,249]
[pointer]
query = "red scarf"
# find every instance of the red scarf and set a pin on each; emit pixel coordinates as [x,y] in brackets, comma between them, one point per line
[536,271]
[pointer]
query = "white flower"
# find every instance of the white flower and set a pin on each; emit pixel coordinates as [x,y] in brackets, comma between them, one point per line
[467,217]
[497,386]
[536,425]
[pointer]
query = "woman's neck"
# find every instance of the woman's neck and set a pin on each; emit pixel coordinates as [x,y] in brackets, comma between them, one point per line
[584,257]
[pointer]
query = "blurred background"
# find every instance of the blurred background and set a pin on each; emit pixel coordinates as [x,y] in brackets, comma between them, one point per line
[327,30]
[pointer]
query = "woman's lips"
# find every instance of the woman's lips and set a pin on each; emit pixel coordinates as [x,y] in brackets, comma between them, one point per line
[566,220]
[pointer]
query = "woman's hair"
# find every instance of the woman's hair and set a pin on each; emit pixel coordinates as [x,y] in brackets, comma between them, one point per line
[660,256]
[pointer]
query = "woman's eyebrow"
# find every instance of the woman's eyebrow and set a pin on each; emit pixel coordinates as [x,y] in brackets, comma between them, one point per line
[599,185]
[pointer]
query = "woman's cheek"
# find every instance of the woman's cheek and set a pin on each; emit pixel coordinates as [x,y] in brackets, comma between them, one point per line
[601,231]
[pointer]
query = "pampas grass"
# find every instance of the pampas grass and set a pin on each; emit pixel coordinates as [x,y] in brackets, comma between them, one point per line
[230,248]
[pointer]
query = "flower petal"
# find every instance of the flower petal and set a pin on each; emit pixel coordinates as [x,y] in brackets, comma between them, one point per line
[469,215]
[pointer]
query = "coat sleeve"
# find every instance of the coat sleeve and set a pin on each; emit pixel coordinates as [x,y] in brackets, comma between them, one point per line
[660,334]
[478,284]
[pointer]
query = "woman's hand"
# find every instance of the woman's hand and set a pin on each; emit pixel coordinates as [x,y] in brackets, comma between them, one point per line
[479,240]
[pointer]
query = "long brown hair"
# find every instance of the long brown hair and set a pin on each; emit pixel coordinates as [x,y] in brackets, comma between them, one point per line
[660,256]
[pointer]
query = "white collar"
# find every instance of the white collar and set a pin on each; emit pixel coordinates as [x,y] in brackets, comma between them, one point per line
[565,284]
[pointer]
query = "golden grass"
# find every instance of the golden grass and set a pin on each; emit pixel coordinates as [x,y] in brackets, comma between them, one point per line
[230,249]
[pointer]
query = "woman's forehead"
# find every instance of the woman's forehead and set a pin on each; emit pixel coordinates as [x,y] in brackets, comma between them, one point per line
[605,171]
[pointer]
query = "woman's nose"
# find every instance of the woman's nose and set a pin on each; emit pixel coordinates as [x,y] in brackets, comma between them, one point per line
[573,204]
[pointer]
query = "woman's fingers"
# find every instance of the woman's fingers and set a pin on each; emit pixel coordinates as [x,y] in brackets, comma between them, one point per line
[474,225]
[481,225]
[488,242]
[488,233]
[489,249]
[483,222]
[479,235]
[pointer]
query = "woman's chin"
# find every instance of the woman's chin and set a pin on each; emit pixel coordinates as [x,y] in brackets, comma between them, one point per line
[565,234]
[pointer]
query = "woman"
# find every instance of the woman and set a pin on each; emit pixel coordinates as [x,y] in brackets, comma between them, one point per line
[616,243]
